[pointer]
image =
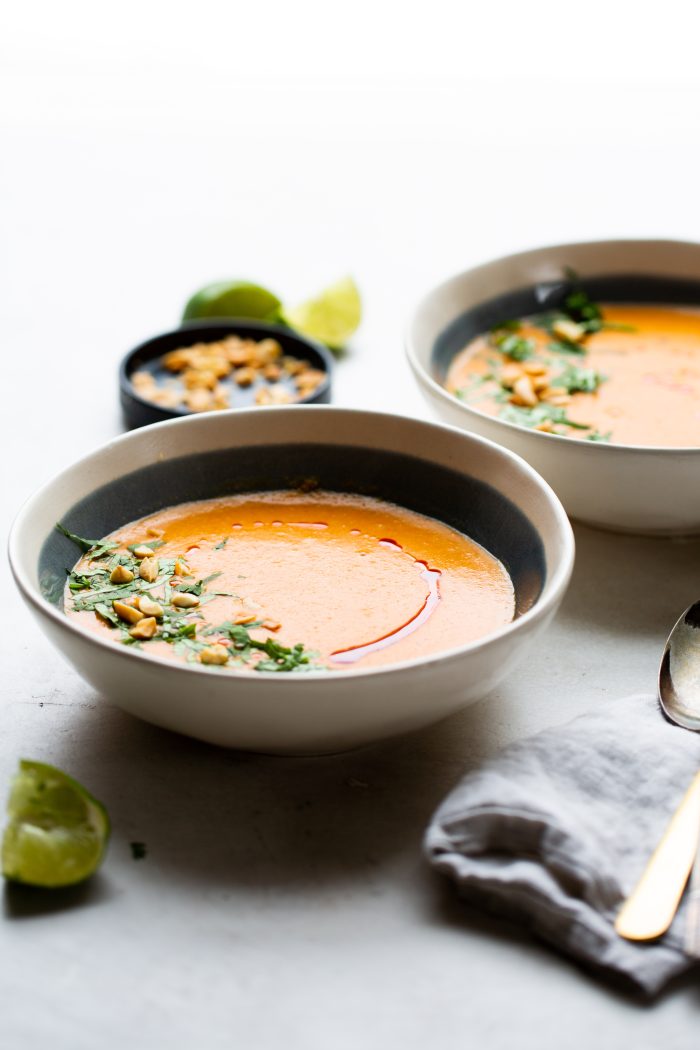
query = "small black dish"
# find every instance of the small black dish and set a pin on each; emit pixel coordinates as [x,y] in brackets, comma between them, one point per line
[139,412]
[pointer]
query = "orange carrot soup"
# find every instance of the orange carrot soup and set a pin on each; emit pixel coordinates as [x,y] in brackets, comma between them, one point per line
[289,581]
[627,374]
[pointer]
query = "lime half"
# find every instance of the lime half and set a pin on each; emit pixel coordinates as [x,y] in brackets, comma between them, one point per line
[232,299]
[57,832]
[330,317]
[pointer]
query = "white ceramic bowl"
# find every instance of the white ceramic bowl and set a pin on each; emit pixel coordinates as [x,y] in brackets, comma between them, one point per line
[642,489]
[455,476]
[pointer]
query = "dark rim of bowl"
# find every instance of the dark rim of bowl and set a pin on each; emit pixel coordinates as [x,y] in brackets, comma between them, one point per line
[424,374]
[232,326]
[550,597]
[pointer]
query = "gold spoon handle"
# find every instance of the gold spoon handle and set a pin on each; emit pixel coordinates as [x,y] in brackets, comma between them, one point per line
[649,910]
[692,912]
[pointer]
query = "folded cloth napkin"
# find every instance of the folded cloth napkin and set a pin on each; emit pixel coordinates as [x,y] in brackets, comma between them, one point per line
[556,830]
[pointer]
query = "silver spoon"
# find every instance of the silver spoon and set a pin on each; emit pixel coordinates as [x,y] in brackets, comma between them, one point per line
[648,911]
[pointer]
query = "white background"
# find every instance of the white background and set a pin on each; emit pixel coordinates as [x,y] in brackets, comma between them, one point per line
[148,148]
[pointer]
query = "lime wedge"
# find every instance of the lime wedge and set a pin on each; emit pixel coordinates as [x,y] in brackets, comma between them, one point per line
[330,317]
[57,832]
[232,299]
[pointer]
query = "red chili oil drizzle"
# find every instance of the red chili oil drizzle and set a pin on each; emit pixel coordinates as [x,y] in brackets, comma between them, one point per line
[431,577]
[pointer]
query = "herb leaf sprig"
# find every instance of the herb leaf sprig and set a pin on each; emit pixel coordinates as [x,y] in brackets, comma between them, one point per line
[568,327]
[280,658]
[544,412]
[579,307]
[94,592]
[511,345]
[95,548]
[566,346]
[578,380]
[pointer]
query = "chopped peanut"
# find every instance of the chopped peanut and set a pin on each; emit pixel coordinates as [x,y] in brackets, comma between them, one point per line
[142,551]
[165,397]
[510,374]
[534,368]
[198,400]
[215,654]
[184,601]
[176,360]
[244,376]
[220,398]
[148,570]
[266,351]
[239,355]
[523,394]
[569,330]
[240,362]
[273,395]
[127,612]
[149,607]
[143,381]
[309,376]
[195,378]
[144,629]
[293,366]
[120,574]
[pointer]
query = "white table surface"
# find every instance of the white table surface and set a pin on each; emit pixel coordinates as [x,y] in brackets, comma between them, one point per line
[145,152]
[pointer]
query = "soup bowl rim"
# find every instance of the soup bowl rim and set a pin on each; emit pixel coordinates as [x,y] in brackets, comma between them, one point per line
[555,583]
[422,371]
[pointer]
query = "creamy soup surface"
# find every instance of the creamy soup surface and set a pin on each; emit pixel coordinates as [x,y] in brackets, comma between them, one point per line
[353,582]
[636,382]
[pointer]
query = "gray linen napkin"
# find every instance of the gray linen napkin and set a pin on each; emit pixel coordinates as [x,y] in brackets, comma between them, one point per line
[556,830]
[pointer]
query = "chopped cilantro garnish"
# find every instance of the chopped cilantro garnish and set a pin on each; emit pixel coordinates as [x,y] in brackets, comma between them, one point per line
[95,548]
[107,594]
[531,417]
[174,630]
[547,319]
[189,647]
[94,592]
[514,346]
[79,541]
[228,627]
[281,658]
[565,346]
[574,379]
[107,613]
[197,587]
[513,325]
[579,307]
[470,392]
[80,581]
